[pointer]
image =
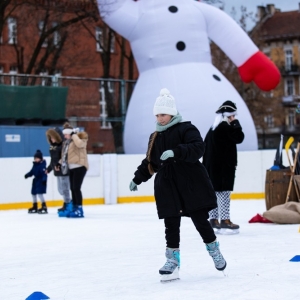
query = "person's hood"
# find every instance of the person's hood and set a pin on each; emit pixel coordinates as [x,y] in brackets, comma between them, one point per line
[83,135]
[55,133]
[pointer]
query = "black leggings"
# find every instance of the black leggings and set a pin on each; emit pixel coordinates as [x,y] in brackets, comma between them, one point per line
[201,223]
[76,179]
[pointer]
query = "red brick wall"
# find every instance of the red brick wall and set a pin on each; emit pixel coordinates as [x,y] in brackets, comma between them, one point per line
[78,58]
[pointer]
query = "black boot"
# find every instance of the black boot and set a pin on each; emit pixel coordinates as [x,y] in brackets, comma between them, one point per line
[215,223]
[43,209]
[63,208]
[33,209]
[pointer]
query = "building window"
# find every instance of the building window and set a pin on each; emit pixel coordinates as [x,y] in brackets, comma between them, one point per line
[269,120]
[44,80]
[288,59]
[12,30]
[41,27]
[13,79]
[56,35]
[1,77]
[103,110]
[289,87]
[56,80]
[99,40]
[291,119]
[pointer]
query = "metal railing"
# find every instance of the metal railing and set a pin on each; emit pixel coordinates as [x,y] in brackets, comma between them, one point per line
[95,92]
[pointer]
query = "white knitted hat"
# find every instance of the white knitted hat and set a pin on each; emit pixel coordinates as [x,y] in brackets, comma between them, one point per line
[165,104]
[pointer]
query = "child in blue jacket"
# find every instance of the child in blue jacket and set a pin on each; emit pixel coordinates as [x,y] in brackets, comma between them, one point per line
[39,183]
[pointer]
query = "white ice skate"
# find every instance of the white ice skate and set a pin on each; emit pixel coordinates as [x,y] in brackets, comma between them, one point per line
[165,278]
[170,271]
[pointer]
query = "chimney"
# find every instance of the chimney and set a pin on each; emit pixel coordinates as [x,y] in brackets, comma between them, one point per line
[271,9]
[261,12]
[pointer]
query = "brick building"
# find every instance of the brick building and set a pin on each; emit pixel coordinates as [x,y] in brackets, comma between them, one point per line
[278,36]
[68,39]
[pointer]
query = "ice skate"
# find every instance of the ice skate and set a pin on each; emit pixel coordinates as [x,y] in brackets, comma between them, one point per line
[43,209]
[227,227]
[170,271]
[66,212]
[214,252]
[62,208]
[215,225]
[33,209]
[77,212]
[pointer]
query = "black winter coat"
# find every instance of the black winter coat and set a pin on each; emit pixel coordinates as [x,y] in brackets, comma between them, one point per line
[55,150]
[181,184]
[220,158]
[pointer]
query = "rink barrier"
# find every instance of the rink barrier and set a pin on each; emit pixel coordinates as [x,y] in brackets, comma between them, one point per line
[50,203]
[233,196]
[107,180]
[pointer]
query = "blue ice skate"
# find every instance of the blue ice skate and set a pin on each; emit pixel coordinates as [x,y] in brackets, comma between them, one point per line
[77,212]
[67,210]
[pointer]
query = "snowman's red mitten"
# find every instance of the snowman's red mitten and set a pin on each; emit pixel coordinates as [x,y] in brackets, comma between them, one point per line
[261,70]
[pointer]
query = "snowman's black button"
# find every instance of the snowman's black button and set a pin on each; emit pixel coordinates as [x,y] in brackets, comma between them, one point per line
[217,77]
[180,46]
[173,9]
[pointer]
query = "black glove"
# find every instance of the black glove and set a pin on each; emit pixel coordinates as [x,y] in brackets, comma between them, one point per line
[26,176]
[44,182]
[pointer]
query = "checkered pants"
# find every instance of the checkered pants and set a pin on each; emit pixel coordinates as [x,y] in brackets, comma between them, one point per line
[223,209]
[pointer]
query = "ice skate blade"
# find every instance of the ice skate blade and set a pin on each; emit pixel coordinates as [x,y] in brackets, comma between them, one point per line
[165,278]
[226,231]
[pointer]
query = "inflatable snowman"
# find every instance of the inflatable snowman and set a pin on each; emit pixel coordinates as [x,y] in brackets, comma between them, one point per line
[170,42]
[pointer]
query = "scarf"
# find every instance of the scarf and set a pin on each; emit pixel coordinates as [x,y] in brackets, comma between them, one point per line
[64,159]
[176,119]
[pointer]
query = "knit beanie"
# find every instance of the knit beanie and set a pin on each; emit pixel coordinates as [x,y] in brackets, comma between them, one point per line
[165,104]
[68,129]
[38,154]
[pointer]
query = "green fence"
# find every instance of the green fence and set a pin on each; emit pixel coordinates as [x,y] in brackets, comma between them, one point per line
[42,102]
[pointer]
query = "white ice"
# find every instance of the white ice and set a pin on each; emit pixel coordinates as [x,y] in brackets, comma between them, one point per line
[116,251]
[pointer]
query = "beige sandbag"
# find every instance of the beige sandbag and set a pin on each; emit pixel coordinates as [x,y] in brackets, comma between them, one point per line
[288,213]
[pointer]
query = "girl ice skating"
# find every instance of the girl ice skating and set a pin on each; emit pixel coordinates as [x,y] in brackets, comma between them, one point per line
[182,186]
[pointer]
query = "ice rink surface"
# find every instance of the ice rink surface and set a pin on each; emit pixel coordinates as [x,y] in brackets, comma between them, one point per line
[116,251]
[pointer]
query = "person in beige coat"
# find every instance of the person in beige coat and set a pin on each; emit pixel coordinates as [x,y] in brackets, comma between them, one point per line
[74,160]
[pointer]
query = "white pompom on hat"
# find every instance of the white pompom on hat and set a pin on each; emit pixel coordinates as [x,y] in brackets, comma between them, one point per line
[165,104]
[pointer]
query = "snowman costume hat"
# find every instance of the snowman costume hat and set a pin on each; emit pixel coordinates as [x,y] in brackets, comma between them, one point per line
[165,104]
[228,108]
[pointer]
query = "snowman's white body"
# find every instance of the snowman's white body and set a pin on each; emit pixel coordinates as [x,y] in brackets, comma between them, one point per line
[154,29]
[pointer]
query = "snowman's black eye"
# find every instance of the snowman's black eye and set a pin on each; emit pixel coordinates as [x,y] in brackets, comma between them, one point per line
[216,77]
[180,46]
[173,9]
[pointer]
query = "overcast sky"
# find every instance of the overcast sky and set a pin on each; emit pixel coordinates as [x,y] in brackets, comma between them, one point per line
[283,5]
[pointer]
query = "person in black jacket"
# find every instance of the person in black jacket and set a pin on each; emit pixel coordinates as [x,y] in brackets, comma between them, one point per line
[182,186]
[55,139]
[220,160]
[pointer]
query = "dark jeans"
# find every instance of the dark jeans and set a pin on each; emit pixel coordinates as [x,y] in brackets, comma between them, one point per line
[201,223]
[76,179]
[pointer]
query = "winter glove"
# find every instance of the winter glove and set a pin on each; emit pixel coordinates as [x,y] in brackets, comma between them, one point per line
[75,131]
[26,176]
[167,154]
[133,186]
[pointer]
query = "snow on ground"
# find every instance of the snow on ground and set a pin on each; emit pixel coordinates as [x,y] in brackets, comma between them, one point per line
[116,251]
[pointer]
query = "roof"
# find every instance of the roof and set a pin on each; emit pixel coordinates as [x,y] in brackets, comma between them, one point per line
[281,25]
